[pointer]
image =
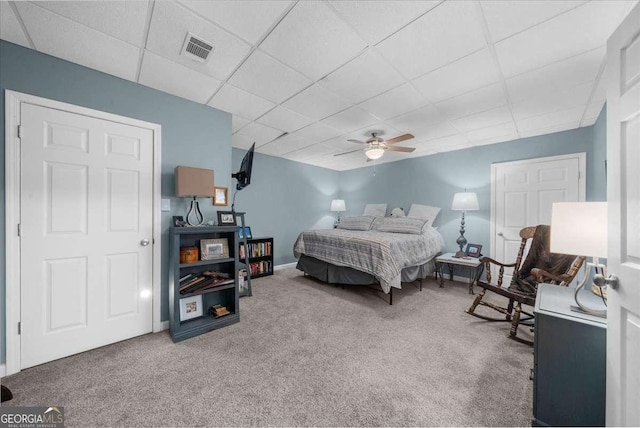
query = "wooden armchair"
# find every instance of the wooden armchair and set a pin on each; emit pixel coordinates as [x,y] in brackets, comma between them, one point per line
[539,266]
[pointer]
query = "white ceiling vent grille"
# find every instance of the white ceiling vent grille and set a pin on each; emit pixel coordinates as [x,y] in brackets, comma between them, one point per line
[196,49]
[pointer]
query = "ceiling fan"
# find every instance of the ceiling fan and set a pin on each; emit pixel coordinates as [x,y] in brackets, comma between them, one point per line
[376,146]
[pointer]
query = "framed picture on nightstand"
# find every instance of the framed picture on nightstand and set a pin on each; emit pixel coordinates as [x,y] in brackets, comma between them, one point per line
[473,250]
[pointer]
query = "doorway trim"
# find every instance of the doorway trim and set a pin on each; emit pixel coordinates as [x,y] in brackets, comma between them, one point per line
[582,186]
[12,213]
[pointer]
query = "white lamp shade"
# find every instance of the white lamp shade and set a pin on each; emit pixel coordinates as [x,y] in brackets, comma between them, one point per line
[374,153]
[579,228]
[465,201]
[338,205]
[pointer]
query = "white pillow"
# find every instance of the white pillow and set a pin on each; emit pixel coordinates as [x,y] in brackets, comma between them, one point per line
[376,210]
[424,211]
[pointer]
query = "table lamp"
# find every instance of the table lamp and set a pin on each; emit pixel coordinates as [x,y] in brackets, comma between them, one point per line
[338,205]
[195,183]
[580,228]
[464,201]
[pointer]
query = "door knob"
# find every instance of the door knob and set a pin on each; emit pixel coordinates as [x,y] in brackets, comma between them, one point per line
[144,242]
[611,280]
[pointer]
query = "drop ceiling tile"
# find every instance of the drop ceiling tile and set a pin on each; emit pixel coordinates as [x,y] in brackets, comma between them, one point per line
[236,101]
[317,132]
[10,29]
[241,141]
[496,132]
[588,120]
[506,18]
[434,131]
[340,144]
[283,145]
[247,19]
[63,38]
[264,76]
[557,76]
[416,120]
[509,136]
[451,142]
[124,20]
[350,119]
[558,39]
[381,129]
[553,101]
[260,134]
[175,79]
[549,130]
[483,99]
[550,120]
[313,40]
[448,32]
[483,119]
[592,112]
[311,151]
[394,102]
[600,93]
[316,102]
[238,122]
[170,24]
[364,77]
[457,78]
[397,14]
[285,119]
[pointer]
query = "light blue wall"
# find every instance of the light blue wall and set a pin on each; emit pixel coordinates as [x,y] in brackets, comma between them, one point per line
[285,198]
[432,180]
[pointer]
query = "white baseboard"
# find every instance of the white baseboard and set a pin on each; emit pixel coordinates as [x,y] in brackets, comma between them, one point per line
[285,266]
[3,370]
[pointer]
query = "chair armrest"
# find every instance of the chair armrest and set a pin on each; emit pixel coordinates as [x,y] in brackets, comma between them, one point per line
[542,275]
[495,262]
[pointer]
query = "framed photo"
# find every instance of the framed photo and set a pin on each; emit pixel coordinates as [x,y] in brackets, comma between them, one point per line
[226,218]
[473,250]
[246,232]
[191,307]
[221,196]
[178,221]
[211,249]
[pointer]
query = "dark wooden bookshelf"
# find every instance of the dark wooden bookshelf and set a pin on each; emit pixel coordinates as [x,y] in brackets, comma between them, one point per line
[260,256]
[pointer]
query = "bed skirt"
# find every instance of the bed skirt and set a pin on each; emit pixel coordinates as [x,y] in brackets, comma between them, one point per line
[332,274]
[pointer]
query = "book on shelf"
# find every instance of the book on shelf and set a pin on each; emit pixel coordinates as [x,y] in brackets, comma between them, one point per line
[186,277]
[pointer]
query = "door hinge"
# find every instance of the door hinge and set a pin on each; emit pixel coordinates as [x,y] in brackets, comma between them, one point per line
[18,229]
[579,175]
[19,327]
[19,131]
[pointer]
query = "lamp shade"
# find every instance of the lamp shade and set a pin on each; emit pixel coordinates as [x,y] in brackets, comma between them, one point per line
[375,153]
[338,205]
[193,182]
[579,228]
[465,201]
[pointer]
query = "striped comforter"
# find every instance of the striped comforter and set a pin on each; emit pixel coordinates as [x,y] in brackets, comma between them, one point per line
[380,254]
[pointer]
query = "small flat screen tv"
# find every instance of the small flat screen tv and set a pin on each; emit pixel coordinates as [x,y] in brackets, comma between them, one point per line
[244,174]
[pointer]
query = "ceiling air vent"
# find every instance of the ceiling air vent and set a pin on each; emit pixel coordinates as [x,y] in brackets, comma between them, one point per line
[196,49]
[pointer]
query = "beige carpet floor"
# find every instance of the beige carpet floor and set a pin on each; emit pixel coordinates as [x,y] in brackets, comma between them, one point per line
[304,354]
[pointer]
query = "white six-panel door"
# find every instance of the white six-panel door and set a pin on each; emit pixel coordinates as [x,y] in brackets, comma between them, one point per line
[86,229]
[523,192]
[623,196]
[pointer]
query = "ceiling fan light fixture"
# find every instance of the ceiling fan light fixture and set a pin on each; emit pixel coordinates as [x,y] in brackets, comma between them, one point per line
[374,153]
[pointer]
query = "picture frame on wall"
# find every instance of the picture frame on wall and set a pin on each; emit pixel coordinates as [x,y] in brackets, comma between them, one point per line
[226,218]
[191,307]
[473,250]
[246,232]
[221,196]
[211,249]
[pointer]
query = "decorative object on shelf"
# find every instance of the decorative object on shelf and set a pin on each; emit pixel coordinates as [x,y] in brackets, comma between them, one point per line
[190,307]
[338,206]
[221,196]
[195,183]
[464,201]
[242,285]
[581,228]
[188,254]
[244,231]
[178,221]
[226,218]
[212,249]
[398,212]
[218,311]
[473,250]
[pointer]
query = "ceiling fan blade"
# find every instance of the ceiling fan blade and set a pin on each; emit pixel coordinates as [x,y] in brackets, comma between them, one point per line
[399,138]
[346,153]
[401,149]
[357,141]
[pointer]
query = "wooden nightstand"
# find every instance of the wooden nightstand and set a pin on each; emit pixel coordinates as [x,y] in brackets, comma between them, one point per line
[472,264]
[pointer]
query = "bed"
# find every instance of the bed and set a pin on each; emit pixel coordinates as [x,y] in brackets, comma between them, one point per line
[370,250]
